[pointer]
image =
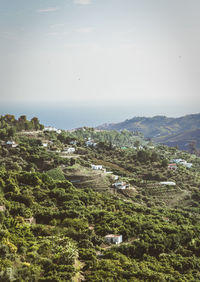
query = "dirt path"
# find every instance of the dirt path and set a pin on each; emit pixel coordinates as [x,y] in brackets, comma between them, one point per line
[78,276]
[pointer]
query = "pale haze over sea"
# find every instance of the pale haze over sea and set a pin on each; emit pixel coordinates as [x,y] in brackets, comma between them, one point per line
[86,62]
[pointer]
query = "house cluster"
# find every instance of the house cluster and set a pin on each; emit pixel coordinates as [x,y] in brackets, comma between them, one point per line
[50,128]
[180,162]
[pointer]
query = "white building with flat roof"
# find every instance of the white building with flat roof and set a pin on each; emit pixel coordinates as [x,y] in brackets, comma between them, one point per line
[113,239]
[96,167]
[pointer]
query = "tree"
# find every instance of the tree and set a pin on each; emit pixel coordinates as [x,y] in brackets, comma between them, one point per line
[164,163]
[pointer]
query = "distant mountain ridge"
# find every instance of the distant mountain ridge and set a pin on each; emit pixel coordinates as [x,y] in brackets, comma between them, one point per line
[171,131]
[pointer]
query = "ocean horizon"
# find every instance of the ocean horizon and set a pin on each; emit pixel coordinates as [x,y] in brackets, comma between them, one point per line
[74,116]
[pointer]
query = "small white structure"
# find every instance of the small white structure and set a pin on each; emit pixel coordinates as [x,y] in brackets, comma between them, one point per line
[151,147]
[90,143]
[179,161]
[121,185]
[115,177]
[73,142]
[70,150]
[171,183]
[12,144]
[113,239]
[182,162]
[188,165]
[50,128]
[45,144]
[96,167]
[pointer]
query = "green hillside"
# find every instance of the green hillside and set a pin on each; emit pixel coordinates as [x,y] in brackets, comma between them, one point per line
[170,131]
[56,209]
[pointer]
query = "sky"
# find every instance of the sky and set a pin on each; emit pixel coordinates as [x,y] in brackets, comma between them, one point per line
[131,57]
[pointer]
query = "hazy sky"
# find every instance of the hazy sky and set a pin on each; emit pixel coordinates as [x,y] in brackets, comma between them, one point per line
[139,53]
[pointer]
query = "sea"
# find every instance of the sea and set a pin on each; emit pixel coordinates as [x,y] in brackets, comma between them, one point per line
[68,116]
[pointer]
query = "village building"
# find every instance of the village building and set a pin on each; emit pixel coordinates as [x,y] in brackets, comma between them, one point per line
[172,166]
[178,161]
[90,143]
[70,150]
[188,165]
[12,144]
[115,177]
[182,162]
[45,145]
[113,239]
[50,128]
[170,183]
[151,147]
[96,167]
[121,185]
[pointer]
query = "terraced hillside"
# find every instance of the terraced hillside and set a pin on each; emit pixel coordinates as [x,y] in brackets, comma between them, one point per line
[83,177]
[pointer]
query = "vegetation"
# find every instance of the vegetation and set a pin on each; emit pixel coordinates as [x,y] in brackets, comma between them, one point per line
[53,230]
[183,132]
[9,125]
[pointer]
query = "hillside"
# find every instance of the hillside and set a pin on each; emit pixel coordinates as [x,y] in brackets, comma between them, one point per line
[161,129]
[57,205]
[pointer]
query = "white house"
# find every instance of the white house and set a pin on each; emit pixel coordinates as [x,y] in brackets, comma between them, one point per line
[69,150]
[121,185]
[96,167]
[113,239]
[115,177]
[151,147]
[45,144]
[12,144]
[90,143]
[171,183]
[188,165]
[179,161]
[182,162]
